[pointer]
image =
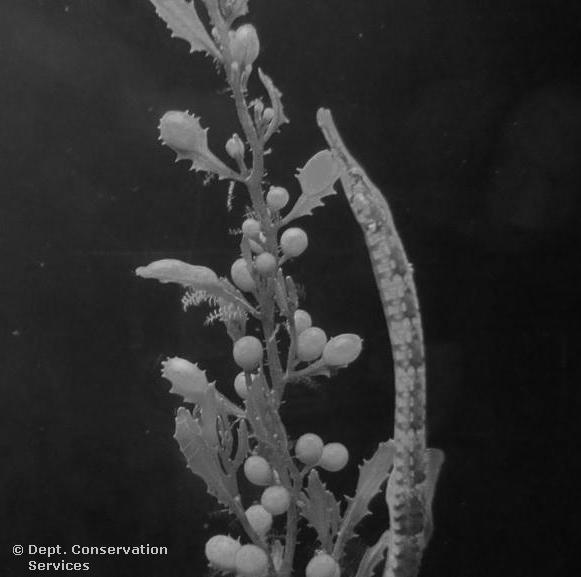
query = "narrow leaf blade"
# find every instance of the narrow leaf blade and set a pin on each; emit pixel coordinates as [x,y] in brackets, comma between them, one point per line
[275,102]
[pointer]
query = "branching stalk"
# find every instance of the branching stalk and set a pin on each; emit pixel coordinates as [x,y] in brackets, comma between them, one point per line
[275,301]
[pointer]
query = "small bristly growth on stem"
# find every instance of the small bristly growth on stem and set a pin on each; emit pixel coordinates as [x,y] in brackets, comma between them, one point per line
[222,439]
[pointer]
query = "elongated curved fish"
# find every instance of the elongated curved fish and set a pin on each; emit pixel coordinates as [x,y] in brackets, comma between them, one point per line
[411,485]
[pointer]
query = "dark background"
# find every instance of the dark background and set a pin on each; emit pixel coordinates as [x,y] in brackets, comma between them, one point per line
[466,114]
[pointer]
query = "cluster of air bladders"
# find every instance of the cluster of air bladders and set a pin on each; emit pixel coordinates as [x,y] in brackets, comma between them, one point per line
[259,306]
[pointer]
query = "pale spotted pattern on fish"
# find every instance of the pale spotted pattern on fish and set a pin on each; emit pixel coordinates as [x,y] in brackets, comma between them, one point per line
[411,483]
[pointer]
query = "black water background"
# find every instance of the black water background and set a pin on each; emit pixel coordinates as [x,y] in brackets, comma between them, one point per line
[468,117]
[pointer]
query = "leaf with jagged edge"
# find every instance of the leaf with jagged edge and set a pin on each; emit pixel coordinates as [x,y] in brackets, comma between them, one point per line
[263,417]
[190,383]
[316,178]
[202,458]
[198,278]
[186,378]
[172,270]
[266,424]
[321,510]
[373,556]
[183,133]
[372,474]
[183,21]
[275,102]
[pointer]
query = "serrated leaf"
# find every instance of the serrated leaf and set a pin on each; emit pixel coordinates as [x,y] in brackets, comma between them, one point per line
[172,270]
[183,133]
[372,474]
[373,556]
[375,471]
[229,304]
[321,510]
[201,278]
[198,278]
[266,424]
[202,459]
[190,382]
[187,379]
[316,178]
[183,21]
[274,95]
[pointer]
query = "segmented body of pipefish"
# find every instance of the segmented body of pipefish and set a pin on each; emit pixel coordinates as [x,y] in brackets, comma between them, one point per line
[411,483]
